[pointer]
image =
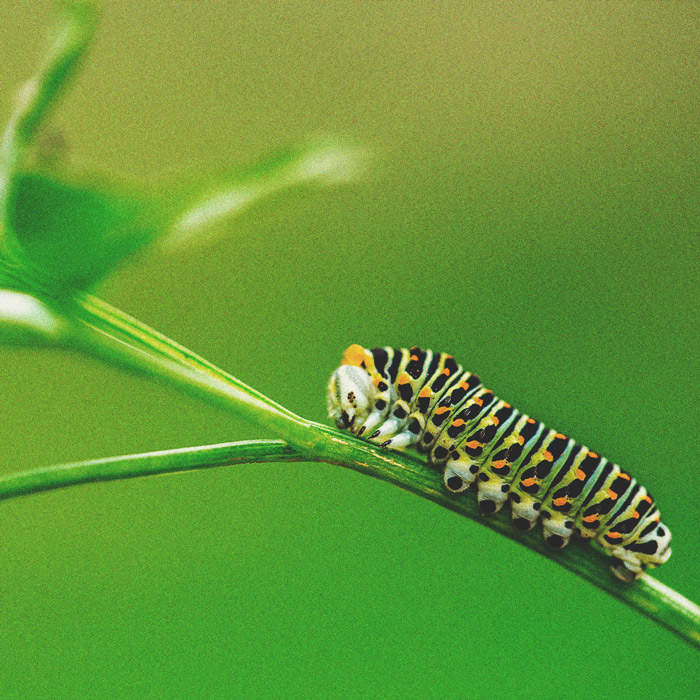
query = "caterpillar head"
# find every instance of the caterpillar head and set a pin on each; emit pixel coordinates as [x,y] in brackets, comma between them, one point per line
[350,393]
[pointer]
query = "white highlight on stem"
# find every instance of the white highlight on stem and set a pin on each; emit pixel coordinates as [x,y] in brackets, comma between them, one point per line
[673,598]
[326,165]
[23,318]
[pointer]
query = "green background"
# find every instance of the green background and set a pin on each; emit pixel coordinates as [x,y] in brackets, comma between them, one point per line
[532,207]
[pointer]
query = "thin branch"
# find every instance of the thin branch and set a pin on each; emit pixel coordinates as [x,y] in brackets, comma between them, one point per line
[112,335]
[648,596]
[145,464]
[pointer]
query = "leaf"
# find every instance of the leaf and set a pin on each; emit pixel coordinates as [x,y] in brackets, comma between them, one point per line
[59,236]
[71,35]
[200,209]
[70,235]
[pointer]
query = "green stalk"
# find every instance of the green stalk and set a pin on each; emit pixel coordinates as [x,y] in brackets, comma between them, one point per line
[648,595]
[146,464]
[107,333]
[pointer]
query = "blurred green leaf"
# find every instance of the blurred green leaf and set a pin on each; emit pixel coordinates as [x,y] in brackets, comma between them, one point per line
[60,236]
[71,235]
[70,37]
[203,207]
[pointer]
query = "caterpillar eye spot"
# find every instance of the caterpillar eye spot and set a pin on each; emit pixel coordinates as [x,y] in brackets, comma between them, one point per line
[472,436]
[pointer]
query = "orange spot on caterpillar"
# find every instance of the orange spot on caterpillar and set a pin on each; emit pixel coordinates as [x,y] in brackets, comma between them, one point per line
[560,436]
[580,474]
[635,515]
[507,405]
[499,464]
[614,535]
[464,385]
[530,420]
[622,475]
[612,495]
[648,499]
[529,482]
[593,454]
[590,518]
[458,423]
[355,355]
[547,456]
[559,501]
[473,444]
[414,358]
[479,401]
[520,440]
[446,371]
[495,421]
[441,410]
[425,392]
[404,379]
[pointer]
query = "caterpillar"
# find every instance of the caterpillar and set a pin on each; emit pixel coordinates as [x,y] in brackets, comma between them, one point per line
[400,398]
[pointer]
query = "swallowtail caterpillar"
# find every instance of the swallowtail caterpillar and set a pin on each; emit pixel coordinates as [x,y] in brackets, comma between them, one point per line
[399,398]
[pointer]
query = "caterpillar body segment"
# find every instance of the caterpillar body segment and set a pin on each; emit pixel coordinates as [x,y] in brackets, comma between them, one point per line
[400,398]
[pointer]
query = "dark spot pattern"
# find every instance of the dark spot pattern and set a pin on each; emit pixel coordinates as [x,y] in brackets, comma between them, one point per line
[455,483]
[487,507]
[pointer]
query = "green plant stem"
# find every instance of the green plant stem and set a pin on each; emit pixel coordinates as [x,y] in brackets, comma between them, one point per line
[114,336]
[648,595]
[146,464]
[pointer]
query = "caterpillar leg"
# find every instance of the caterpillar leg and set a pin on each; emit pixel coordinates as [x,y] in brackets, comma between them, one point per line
[385,431]
[557,529]
[410,435]
[525,511]
[493,493]
[626,571]
[400,441]
[629,566]
[459,475]
[378,414]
